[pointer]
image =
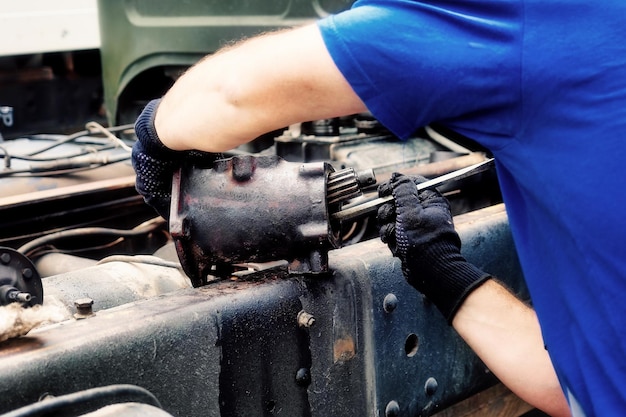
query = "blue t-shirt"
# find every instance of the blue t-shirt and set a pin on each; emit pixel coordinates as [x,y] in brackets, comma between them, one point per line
[542,84]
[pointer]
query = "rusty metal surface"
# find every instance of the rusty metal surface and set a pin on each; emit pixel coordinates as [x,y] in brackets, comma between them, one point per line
[236,348]
[199,351]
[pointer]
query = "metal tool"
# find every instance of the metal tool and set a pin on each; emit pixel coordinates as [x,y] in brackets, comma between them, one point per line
[371,206]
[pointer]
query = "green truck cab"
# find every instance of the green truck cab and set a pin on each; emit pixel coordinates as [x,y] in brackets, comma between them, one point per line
[145,44]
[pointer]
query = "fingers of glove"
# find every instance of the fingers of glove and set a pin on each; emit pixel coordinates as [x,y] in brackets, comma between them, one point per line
[436,207]
[153,176]
[384,189]
[387,225]
[432,197]
[429,196]
[405,195]
[386,213]
[160,204]
[418,179]
[387,233]
[386,218]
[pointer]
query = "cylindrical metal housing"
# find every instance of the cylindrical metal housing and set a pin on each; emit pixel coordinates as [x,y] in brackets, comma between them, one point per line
[252,209]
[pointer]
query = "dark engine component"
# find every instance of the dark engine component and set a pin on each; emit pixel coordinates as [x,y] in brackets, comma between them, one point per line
[19,280]
[259,209]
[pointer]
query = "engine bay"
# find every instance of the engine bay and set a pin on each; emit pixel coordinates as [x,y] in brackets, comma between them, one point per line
[258,337]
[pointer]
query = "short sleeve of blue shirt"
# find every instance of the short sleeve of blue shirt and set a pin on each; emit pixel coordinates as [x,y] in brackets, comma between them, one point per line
[467,50]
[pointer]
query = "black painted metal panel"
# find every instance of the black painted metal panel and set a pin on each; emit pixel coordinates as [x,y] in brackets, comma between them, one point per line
[234,348]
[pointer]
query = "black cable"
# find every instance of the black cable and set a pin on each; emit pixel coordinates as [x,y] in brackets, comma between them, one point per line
[95,231]
[60,142]
[63,166]
[112,393]
[78,135]
[83,152]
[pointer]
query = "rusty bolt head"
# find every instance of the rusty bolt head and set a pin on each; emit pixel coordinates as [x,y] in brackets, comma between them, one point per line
[84,308]
[83,302]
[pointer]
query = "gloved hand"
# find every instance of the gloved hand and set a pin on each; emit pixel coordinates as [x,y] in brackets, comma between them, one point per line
[418,229]
[155,164]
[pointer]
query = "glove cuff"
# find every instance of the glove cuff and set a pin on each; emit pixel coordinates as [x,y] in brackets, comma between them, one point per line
[451,279]
[147,134]
[464,279]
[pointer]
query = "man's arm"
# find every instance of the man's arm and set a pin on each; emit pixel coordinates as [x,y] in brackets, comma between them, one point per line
[257,86]
[418,228]
[505,334]
[282,78]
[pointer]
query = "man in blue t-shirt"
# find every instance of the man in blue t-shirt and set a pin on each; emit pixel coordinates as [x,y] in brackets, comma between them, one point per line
[541,83]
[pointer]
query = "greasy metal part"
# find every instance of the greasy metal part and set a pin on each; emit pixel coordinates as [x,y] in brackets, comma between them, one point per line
[60,263]
[19,280]
[6,115]
[233,348]
[257,209]
[322,127]
[112,284]
[347,184]
[371,206]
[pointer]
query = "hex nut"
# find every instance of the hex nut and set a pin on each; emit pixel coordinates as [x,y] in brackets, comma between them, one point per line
[84,308]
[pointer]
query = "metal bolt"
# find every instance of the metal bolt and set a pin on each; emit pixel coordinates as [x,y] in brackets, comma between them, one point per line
[305,319]
[431,385]
[390,303]
[27,273]
[5,258]
[392,409]
[303,377]
[15,295]
[243,167]
[84,308]
[6,115]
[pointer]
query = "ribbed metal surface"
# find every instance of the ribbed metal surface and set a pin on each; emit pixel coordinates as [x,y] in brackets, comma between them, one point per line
[342,186]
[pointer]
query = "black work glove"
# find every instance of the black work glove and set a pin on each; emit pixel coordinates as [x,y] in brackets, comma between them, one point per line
[155,164]
[418,229]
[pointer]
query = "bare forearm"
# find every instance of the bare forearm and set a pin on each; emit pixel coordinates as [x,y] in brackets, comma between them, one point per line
[258,86]
[505,334]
